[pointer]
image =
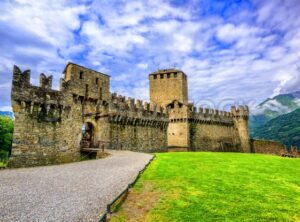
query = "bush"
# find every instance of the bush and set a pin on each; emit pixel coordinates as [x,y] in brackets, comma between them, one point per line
[6,133]
[3,158]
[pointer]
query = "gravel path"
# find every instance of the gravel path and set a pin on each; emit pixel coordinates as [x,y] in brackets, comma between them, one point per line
[70,192]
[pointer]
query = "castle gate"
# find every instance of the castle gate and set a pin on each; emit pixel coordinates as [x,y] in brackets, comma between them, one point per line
[88,136]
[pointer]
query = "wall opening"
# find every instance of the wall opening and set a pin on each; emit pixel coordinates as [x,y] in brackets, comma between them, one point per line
[87,135]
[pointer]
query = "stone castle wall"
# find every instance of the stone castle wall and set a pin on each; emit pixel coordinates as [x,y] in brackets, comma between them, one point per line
[214,137]
[266,146]
[48,123]
[41,117]
[213,130]
[137,125]
[205,129]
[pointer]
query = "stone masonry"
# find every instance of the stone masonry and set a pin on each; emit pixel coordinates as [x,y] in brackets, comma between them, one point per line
[49,123]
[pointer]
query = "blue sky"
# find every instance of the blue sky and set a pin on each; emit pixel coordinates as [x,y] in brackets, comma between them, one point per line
[234,52]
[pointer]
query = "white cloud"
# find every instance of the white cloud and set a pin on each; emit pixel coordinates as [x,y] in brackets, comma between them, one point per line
[230,32]
[6,108]
[247,56]
[142,65]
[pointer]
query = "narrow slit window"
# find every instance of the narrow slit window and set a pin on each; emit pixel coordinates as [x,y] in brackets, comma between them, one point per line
[97,81]
[81,75]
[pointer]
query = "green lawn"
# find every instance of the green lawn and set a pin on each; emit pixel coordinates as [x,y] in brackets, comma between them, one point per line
[215,187]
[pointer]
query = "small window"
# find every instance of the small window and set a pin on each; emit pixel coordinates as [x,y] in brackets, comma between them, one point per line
[100,93]
[97,81]
[81,75]
[155,76]
[175,75]
[168,75]
[161,76]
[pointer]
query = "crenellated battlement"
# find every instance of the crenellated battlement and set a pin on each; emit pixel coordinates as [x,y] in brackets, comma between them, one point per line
[182,112]
[130,104]
[129,111]
[45,82]
[240,112]
[40,102]
[201,111]
[212,115]
[21,78]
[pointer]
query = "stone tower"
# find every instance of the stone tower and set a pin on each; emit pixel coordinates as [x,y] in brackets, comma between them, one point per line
[240,119]
[178,128]
[168,85]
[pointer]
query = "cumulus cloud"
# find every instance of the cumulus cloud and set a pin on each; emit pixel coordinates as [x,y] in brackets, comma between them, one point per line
[231,54]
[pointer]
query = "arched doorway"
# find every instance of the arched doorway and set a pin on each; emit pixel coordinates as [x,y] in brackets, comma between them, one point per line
[87,135]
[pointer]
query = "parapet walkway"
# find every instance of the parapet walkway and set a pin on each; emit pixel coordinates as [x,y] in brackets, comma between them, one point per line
[70,192]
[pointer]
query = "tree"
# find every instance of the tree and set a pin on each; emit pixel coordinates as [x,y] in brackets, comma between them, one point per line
[6,133]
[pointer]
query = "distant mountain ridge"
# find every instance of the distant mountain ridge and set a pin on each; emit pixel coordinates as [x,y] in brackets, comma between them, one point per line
[278,118]
[284,128]
[7,113]
[274,107]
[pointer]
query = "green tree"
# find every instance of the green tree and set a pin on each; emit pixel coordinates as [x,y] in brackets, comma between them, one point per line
[6,133]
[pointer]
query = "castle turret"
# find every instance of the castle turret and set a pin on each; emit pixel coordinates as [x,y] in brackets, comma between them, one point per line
[178,129]
[241,117]
[168,85]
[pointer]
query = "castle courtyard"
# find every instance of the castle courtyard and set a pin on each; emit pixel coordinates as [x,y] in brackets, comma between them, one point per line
[69,192]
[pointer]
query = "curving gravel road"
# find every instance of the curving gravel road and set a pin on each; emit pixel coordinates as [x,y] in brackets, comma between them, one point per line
[70,192]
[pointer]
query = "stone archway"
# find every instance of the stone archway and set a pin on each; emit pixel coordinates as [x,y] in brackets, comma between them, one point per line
[88,135]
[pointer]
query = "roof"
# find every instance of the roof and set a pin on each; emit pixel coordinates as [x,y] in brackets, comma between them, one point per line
[163,71]
[71,63]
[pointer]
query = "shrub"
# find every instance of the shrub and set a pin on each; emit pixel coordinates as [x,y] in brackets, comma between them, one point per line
[6,133]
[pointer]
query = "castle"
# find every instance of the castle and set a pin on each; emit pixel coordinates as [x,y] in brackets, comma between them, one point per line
[58,126]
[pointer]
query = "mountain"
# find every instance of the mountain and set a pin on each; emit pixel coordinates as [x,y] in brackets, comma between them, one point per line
[284,128]
[278,105]
[274,107]
[7,113]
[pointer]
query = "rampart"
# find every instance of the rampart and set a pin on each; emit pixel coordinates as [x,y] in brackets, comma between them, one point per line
[205,129]
[57,126]
[48,123]
[267,146]
[41,117]
[213,130]
[137,125]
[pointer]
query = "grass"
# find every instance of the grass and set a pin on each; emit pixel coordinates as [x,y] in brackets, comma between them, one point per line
[3,158]
[3,164]
[215,187]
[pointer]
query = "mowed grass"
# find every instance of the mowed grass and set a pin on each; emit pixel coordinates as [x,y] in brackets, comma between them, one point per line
[207,186]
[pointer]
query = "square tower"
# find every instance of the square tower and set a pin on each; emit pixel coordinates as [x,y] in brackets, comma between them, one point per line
[168,85]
